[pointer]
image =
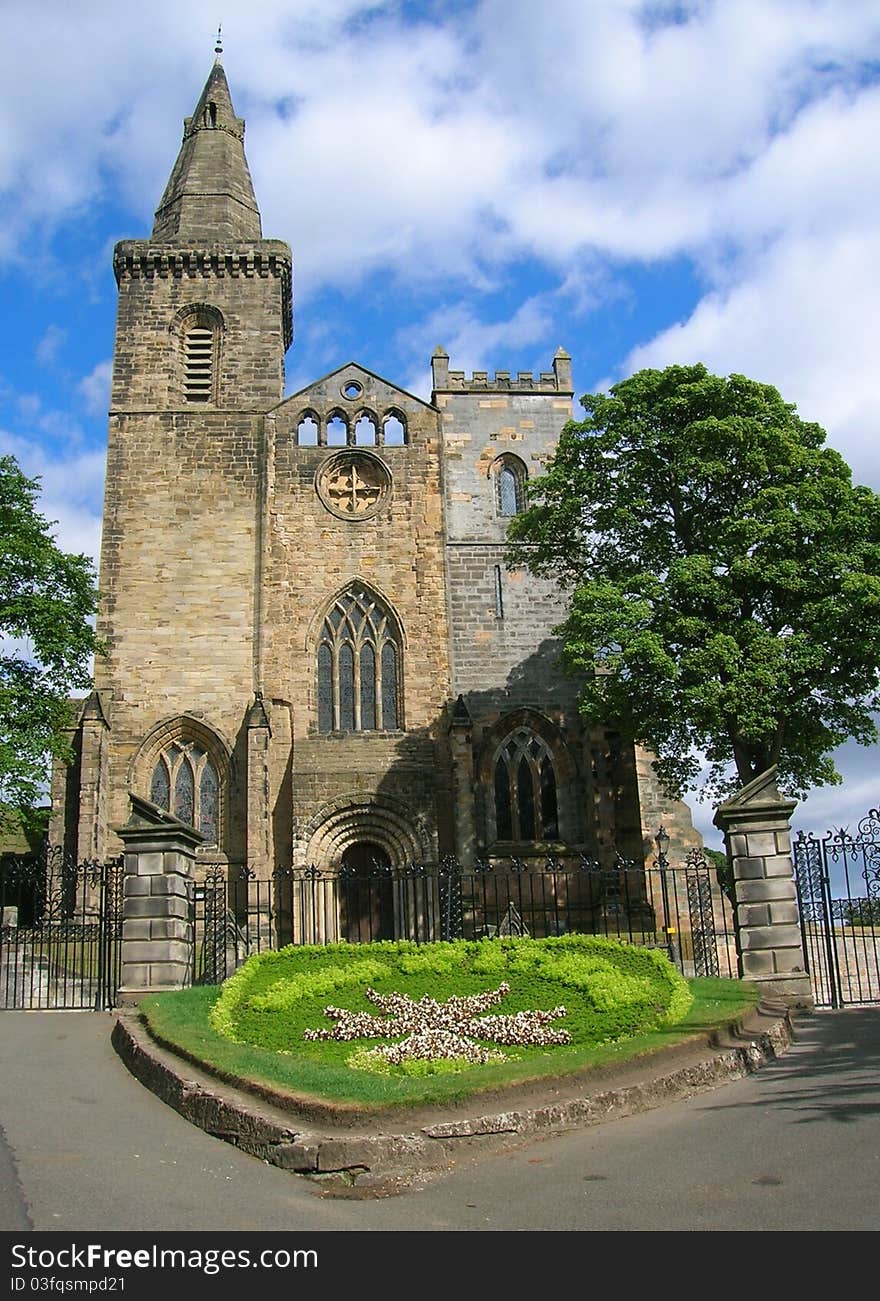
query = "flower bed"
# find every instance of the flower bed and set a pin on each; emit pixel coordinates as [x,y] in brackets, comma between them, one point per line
[320,1003]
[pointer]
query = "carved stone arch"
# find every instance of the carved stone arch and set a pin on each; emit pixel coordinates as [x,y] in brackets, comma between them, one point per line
[509,475]
[368,415]
[177,733]
[308,415]
[360,818]
[393,414]
[197,334]
[313,628]
[357,644]
[337,413]
[559,818]
[536,722]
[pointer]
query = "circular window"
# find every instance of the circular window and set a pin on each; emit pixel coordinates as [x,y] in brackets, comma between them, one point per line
[353,485]
[352,389]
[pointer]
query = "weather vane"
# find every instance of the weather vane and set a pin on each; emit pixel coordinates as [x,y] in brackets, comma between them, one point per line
[218,48]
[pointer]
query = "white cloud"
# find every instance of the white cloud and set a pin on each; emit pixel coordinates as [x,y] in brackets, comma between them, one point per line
[472,342]
[71,489]
[803,318]
[94,388]
[49,345]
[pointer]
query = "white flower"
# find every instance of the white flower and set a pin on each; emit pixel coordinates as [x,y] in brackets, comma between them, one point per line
[442,1030]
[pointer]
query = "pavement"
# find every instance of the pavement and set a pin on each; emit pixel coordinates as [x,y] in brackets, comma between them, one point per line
[793,1145]
[357,1152]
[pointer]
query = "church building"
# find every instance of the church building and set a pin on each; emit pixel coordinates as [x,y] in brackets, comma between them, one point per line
[315,654]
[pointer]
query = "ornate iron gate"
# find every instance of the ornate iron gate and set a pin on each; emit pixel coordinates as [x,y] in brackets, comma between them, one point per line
[61,932]
[838,888]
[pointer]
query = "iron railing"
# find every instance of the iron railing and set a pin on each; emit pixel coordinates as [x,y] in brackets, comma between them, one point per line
[60,932]
[680,909]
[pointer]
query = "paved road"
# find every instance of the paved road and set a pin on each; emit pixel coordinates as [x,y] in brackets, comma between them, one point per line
[83,1146]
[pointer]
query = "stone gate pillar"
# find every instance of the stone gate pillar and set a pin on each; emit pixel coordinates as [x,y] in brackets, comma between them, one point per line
[756,824]
[157,900]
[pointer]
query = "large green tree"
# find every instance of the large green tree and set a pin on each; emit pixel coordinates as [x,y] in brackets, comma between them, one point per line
[47,599]
[723,574]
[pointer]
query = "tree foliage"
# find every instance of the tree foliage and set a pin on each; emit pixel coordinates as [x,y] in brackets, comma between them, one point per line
[46,639]
[723,574]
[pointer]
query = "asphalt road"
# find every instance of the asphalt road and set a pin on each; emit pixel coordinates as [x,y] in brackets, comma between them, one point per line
[795,1147]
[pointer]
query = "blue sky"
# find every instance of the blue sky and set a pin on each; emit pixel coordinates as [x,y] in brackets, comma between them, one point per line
[641,183]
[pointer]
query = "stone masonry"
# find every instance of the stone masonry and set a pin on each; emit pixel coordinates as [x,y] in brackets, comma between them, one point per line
[756,824]
[315,651]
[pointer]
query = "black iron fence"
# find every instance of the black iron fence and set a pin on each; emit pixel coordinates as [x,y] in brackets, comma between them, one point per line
[679,908]
[838,889]
[60,932]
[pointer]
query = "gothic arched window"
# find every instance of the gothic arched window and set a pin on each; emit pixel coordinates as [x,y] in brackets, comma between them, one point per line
[510,485]
[307,430]
[525,789]
[358,664]
[394,429]
[185,784]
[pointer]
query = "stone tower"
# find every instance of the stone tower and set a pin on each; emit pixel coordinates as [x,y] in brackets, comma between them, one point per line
[315,654]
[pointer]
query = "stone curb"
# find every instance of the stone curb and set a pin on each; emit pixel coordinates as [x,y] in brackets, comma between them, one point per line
[273,1132]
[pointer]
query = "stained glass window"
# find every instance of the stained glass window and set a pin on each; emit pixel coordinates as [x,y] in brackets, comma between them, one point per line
[389,685]
[346,687]
[208,803]
[368,688]
[525,789]
[160,787]
[185,783]
[184,794]
[510,485]
[325,688]
[358,666]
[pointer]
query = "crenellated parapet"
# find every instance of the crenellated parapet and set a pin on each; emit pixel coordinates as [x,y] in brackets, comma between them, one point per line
[144,259]
[557,380]
[270,258]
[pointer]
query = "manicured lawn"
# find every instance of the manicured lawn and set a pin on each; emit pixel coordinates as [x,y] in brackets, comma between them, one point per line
[619,1005]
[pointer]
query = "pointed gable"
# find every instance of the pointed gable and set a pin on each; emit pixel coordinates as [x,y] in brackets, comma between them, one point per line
[353,406]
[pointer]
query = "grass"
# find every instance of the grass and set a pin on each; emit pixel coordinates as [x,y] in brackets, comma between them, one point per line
[311,1073]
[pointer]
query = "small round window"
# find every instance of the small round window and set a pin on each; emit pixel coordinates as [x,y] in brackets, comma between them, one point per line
[352,389]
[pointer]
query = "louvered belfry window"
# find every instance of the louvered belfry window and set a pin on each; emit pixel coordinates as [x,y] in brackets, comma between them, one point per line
[198,363]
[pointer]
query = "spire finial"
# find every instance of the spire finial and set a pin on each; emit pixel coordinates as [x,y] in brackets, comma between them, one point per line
[218,48]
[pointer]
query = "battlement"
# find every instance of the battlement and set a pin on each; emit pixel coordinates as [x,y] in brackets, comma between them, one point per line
[146,259]
[143,259]
[557,380]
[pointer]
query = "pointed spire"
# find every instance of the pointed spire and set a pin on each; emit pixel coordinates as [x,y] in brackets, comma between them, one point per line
[210,197]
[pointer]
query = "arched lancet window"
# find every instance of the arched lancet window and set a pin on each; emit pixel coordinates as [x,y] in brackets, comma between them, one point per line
[525,789]
[200,331]
[394,429]
[337,430]
[358,665]
[365,434]
[307,430]
[510,485]
[185,784]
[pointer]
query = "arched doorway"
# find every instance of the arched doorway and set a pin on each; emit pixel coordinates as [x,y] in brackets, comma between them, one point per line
[366,894]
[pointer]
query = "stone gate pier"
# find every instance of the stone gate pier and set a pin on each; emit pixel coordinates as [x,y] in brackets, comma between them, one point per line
[756,824]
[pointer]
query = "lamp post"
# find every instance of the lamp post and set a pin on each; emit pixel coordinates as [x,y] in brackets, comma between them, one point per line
[662,840]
